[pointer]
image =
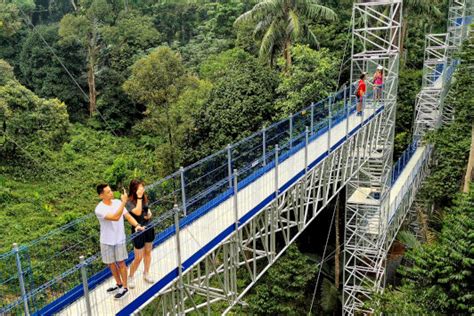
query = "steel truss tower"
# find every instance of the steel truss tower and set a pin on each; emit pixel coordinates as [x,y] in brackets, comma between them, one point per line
[459,16]
[457,27]
[429,101]
[375,41]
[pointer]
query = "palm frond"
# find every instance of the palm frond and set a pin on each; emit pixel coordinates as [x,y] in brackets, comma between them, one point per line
[262,25]
[260,11]
[268,41]
[313,11]
[312,39]
[408,239]
[293,28]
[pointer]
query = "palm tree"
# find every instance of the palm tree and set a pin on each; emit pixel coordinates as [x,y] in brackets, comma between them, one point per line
[279,23]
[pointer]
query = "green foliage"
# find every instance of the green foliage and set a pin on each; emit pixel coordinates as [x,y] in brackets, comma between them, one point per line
[284,289]
[241,102]
[63,186]
[439,276]
[311,78]
[157,81]
[157,78]
[6,72]
[176,21]
[215,66]
[329,296]
[9,19]
[75,28]
[281,23]
[121,171]
[44,73]
[127,40]
[29,122]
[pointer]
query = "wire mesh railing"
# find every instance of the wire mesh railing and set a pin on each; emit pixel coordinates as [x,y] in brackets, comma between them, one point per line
[51,265]
[48,262]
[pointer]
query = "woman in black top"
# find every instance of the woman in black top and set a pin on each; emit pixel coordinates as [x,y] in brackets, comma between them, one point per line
[137,206]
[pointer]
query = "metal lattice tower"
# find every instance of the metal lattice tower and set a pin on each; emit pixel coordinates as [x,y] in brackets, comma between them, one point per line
[429,100]
[376,41]
[456,22]
[459,16]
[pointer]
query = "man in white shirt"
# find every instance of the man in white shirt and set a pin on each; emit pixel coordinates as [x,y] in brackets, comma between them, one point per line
[110,213]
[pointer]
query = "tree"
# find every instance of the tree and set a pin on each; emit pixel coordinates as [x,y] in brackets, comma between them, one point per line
[213,31]
[30,126]
[281,23]
[312,78]
[157,81]
[284,289]
[128,39]
[10,20]
[6,72]
[44,74]
[241,101]
[84,28]
[438,276]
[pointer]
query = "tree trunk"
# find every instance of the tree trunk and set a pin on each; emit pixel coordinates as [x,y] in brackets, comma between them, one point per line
[91,84]
[470,164]
[338,249]
[92,59]
[403,35]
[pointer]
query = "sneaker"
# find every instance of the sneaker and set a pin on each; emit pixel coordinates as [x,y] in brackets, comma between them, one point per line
[121,293]
[114,289]
[131,282]
[148,278]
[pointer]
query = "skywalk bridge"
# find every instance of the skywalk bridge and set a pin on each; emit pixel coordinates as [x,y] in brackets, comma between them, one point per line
[238,210]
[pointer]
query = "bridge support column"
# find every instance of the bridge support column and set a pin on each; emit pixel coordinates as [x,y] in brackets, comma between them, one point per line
[375,43]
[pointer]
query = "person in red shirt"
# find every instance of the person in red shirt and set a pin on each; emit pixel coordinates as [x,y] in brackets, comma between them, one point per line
[361,89]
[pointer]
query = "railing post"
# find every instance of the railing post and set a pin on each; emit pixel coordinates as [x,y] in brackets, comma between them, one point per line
[236,210]
[85,285]
[346,108]
[306,149]
[274,212]
[291,130]
[264,146]
[277,149]
[312,119]
[183,191]
[229,164]
[329,124]
[178,258]
[20,278]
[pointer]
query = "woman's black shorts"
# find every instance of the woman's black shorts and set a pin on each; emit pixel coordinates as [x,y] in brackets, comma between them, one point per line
[147,236]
